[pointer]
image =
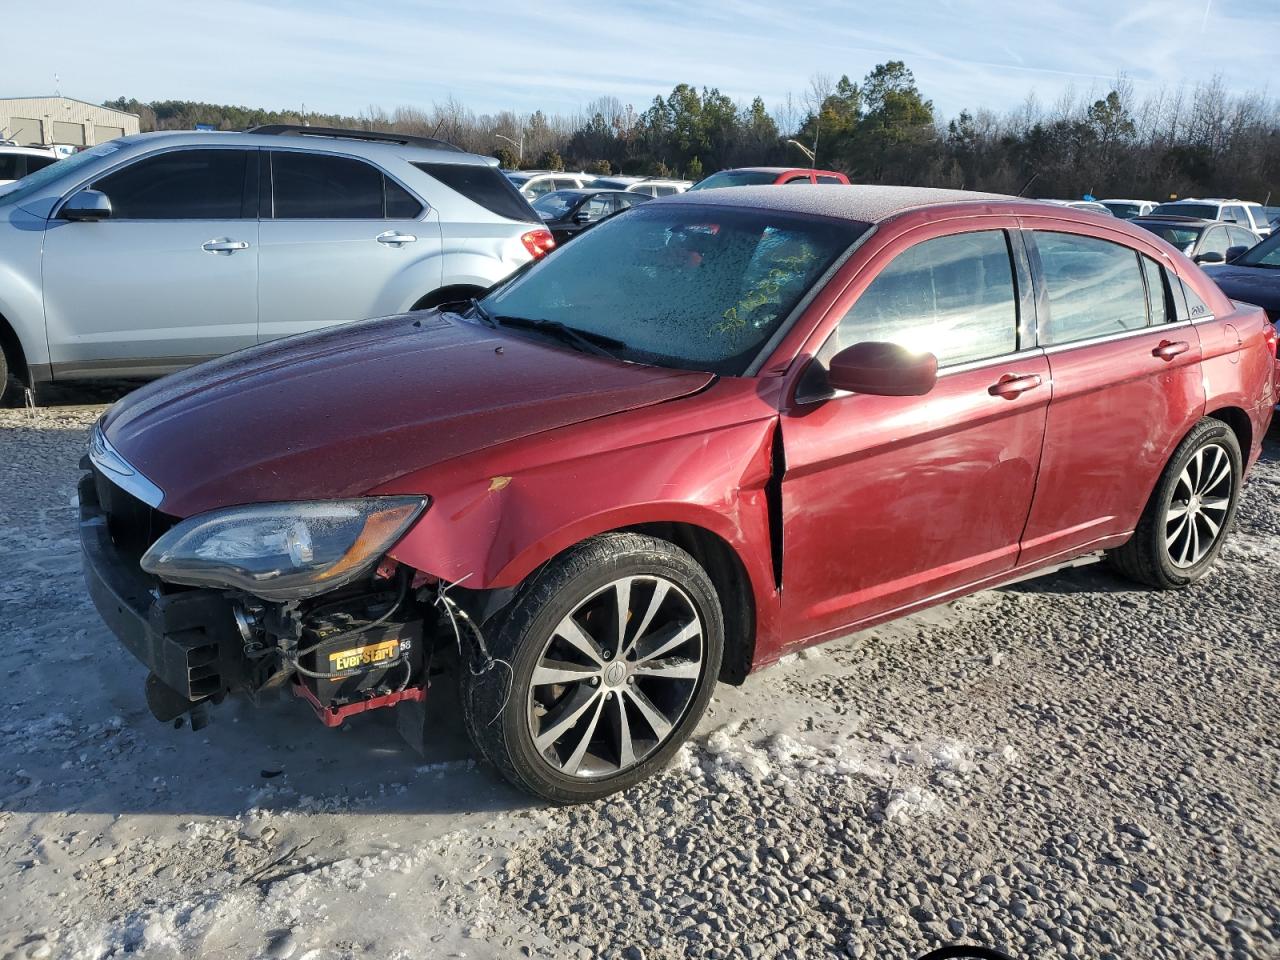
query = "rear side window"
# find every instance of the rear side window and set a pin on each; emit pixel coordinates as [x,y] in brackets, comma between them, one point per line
[315,186]
[1095,287]
[180,185]
[827,178]
[952,296]
[486,186]
[1157,292]
[1241,237]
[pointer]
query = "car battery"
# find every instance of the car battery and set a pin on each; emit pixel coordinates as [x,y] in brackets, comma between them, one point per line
[355,659]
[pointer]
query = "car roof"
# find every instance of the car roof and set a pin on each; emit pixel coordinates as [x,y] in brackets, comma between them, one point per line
[1174,219]
[29,151]
[319,142]
[1124,200]
[865,204]
[584,191]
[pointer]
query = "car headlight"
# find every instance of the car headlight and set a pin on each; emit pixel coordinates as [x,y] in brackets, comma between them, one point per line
[282,551]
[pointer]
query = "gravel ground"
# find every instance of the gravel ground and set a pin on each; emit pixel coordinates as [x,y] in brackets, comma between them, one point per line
[1066,767]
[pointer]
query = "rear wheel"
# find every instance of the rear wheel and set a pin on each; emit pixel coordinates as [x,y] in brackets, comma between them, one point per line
[1193,507]
[614,650]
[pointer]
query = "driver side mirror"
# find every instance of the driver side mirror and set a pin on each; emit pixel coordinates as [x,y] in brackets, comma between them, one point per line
[883,369]
[87,205]
[582,217]
[1212,256]
[1234,252]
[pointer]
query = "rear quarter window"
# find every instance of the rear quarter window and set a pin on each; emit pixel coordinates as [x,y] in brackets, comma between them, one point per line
[483,185]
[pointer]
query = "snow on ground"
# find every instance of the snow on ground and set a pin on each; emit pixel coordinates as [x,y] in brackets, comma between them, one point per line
[1071,766]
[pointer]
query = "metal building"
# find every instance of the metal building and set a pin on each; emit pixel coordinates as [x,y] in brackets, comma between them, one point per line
[45,120]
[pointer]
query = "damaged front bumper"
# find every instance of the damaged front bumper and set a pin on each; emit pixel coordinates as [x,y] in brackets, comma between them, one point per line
[187,638]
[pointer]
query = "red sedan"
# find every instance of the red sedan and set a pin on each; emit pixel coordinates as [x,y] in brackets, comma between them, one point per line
[717,428]
[759,176]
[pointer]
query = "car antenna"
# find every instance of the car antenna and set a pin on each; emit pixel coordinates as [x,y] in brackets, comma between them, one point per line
[1028,184]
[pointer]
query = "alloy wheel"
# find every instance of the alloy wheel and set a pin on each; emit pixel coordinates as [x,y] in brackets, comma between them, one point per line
[1198,506]
[615,677]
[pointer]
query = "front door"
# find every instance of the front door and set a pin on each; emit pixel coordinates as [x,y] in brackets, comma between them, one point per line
[1125,361]
[171,277]
[340,241]
[887,501]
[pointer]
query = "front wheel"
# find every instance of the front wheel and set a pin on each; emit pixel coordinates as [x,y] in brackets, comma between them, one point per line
[1193,507]
[613,650]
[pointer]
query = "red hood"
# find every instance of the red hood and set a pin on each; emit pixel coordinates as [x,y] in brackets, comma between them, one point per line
[340,411]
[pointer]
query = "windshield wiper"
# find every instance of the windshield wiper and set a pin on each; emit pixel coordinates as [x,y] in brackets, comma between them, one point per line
[483,314]
[586,340]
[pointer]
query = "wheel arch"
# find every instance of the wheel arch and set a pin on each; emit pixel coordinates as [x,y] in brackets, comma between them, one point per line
[14,355]
[446,294]
[1240,424]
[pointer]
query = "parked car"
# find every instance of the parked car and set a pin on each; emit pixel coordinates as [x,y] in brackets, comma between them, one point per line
[1204,241]
[16,162]
[1093,206]
[1251,216]
[650,186]
[148,253]
[712,431]
[1253,276]
[534,183]
[757,176]
[1128,209]
[568,213]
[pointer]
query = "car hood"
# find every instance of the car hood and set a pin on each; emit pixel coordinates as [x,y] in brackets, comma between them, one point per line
[1256,285]
[340,411]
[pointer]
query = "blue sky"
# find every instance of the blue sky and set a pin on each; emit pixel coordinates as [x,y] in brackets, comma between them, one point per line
[345,56]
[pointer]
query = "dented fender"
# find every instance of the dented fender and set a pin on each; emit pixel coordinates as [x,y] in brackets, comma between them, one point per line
[499,514]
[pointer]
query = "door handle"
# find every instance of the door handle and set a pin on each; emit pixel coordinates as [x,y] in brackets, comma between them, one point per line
[1168,349]
[223,245]
[394,238]
[1013,385]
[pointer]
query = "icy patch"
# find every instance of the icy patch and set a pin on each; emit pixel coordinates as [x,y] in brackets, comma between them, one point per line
[911,804]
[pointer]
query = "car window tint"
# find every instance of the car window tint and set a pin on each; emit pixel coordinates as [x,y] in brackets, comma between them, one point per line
[537,188]
[401,204]
[179,185]
[598,207]
[804,180]
[1095,287]
[13,166]
[1241,237]
[1157,292]
[1214,241]
[827,178]
[952,296]
[313,186]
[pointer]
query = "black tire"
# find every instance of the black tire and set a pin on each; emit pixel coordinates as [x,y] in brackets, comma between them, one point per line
[1147,557]
[500,705]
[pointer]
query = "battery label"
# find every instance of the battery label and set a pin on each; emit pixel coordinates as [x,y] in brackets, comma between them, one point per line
[364,656]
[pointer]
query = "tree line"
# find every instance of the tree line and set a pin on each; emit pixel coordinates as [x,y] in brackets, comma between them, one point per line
[1199,140]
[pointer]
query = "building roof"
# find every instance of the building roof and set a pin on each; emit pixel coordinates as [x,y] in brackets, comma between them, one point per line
[866,204]
[56,96]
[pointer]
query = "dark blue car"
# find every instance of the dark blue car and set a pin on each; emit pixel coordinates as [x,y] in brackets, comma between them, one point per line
[1253,276]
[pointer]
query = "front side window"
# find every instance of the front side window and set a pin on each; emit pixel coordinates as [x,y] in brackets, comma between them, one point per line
[1214,241]
[317,186]
[1241,237]
[1095,287]
[556,204]
[598,207]
[180,185]
[827,178]
[679,285]
[735,178]
[951,296]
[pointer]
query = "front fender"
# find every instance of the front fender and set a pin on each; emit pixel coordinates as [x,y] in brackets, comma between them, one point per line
[492,529]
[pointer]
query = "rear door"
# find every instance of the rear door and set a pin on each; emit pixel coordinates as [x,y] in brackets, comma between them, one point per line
[170,278]
[887,501]
[1126,387]
[340,241]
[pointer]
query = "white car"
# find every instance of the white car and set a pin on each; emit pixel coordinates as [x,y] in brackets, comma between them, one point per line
[1128,209]
[16,162]
[534,183]
[1093,205]
[1251,216]
[649,186]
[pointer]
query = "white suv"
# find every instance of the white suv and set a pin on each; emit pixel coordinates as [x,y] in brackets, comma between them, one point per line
[16,162]
[152,252]
[535,183]
[1251,216]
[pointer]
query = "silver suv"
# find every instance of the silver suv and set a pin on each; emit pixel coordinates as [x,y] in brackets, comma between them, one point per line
[153,252]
